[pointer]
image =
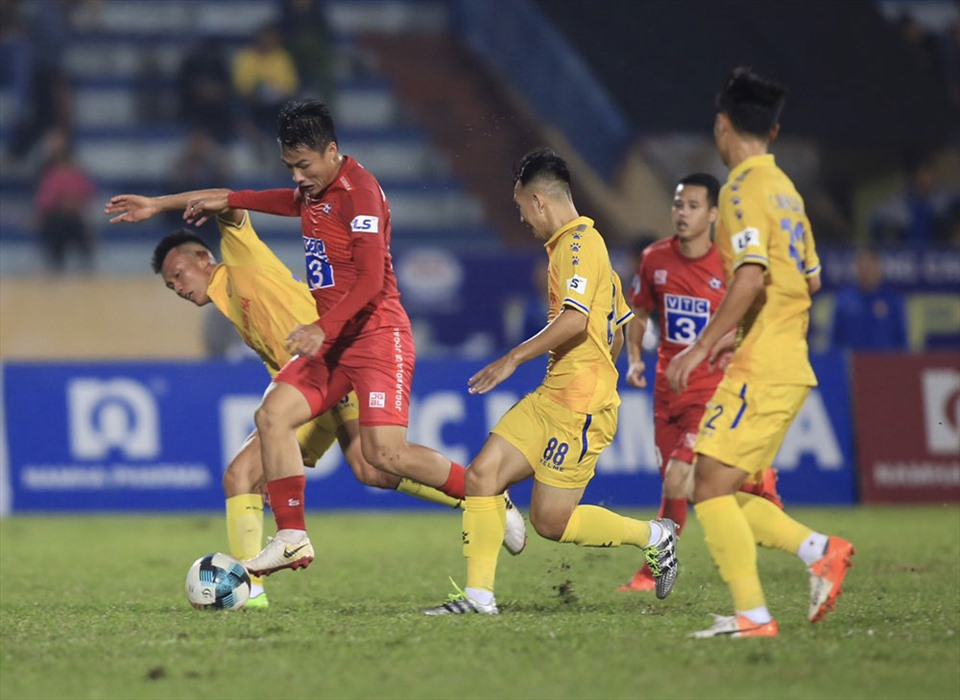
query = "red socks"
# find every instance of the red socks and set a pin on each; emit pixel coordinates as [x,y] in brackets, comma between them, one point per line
[676,510]
[453,486]
[286,501]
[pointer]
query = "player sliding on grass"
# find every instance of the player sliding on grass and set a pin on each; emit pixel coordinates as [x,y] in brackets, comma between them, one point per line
[681,280]
[772,267]
[556,433]
[263,301]
[362,338]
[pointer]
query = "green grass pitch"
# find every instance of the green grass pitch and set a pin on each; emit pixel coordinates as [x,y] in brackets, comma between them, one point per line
[94,607]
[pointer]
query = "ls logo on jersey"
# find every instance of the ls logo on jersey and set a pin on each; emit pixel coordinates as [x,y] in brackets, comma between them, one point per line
[577,284]
[685,317]
[365,224]
[746,238]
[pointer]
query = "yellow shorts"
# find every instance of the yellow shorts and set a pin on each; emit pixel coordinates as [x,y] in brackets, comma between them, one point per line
[744,424]
[561,445]
[318,435]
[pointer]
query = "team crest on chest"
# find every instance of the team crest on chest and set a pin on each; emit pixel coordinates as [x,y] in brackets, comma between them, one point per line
[715,283]
[325,207]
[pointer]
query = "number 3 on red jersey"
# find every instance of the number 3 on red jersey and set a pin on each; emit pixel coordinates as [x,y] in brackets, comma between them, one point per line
[319,270]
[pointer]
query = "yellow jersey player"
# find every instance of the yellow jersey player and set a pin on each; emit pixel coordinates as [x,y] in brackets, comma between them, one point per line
[263,301]
[556,433]
[772,269]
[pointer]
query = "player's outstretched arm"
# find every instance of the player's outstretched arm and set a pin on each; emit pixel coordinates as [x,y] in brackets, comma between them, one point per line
[133,208]
[567,325]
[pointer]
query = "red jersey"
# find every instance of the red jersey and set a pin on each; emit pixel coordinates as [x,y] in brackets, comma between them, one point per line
[349,222]
[684,292]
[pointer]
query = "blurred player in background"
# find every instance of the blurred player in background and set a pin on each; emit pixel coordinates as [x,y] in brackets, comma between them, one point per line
[681,280]
[263,301]
[556,433]
[362,339]
[771,262]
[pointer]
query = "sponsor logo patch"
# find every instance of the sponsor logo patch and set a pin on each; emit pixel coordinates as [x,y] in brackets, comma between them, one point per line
[577,284]
[365,224]
[746,238]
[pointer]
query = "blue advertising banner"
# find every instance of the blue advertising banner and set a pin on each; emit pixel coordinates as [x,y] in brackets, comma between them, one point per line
[156,436]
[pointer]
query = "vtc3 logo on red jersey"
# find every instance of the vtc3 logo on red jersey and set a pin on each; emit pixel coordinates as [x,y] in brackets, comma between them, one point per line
[686,317]
[319,269]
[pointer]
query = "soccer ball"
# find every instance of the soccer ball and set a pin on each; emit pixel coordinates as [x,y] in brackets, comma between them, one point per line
[218,581]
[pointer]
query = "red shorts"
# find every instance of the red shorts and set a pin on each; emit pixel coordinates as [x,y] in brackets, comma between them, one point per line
[378,365]
[675,432]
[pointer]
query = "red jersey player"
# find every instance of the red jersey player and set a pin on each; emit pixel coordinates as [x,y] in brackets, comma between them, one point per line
[362,338]
[681,279]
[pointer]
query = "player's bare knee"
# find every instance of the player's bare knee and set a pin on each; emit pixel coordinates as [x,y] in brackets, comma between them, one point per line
[478,482]
[242,476]
[549,526]
[369,475]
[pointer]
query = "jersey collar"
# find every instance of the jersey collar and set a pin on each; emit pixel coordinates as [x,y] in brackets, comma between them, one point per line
[580,220]
[752,162]
[217,289]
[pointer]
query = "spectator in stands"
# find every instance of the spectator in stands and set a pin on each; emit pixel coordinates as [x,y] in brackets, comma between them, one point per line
[869,315]
[200,164]
[306,34]
[44,98]
[64,194]
[920,216]
[921,44]
[265,77]
[206,91]
[16,64]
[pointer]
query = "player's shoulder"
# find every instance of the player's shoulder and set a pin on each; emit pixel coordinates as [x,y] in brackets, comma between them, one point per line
[659,250]
[353,176]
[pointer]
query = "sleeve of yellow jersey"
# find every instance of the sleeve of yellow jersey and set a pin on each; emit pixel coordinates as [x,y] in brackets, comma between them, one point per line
[239,243]
[621,309]
[744,217]
[578,272]
[811,261]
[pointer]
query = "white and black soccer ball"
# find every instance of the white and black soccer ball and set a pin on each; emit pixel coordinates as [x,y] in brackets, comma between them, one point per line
[218,581]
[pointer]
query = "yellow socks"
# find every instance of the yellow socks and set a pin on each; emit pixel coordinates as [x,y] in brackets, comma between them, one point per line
[730,541]
[484,524]
[427,493]
[245,527]
[593,526]
[771,526]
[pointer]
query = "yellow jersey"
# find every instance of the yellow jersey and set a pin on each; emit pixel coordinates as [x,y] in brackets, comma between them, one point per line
[762,221]
[581,374]
[258,293]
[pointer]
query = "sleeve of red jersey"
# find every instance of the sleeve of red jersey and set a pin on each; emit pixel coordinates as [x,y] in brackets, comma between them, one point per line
[641,291]
[285,202]
[364,215]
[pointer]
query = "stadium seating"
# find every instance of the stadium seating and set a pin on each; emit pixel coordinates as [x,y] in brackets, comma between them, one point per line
[123,58]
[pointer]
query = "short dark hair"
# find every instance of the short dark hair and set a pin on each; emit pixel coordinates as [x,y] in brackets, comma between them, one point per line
[707,181]
[753,103]
[305,124]
[175,239]
[542,164]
